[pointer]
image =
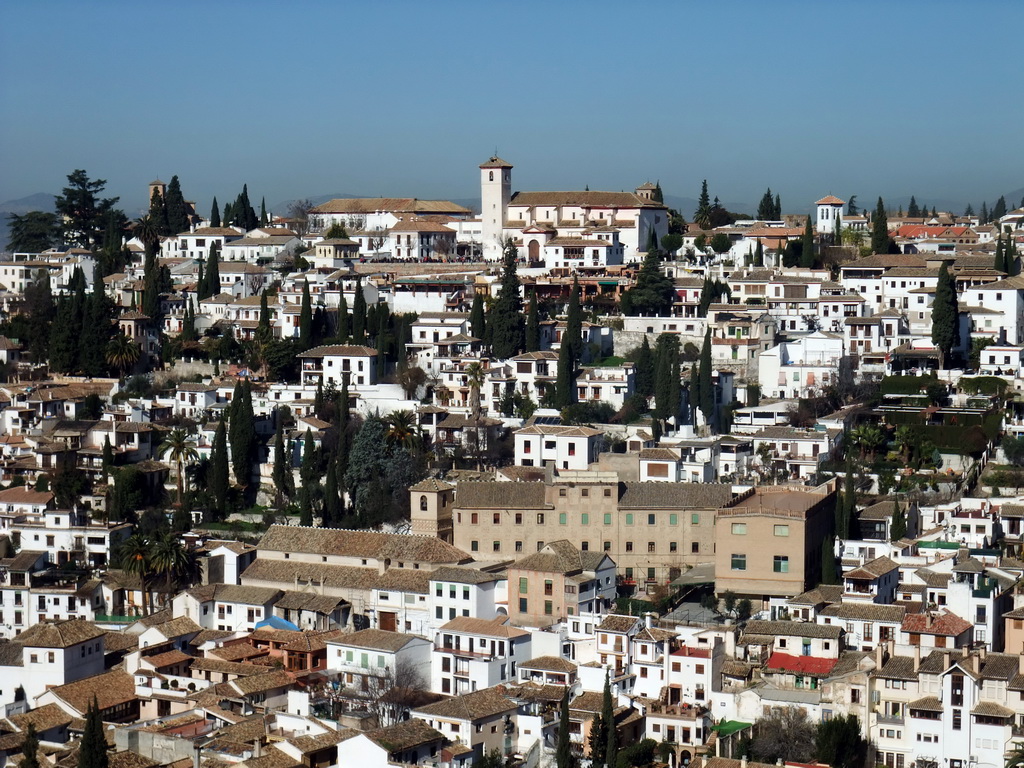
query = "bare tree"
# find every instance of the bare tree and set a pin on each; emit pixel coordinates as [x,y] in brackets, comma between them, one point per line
[391,693]
[298,212]
[787,733]
[377,241]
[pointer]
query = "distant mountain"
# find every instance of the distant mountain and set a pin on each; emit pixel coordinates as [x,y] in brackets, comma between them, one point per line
[41,201]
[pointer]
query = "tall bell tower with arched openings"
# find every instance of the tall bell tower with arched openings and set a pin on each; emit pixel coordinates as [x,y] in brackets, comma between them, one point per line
[430,509]
[495,194]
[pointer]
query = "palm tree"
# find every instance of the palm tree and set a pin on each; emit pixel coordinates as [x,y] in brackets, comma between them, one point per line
[175,563]
[905,442]
[179,449]
[868,438]
[475,377]
[136,561]
[123,353]
[146,230]
[1015,757]
[402,429]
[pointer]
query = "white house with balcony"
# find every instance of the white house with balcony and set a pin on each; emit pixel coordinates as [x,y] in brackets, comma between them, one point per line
[333,363]
[473,654]
[359,656]
[802,367]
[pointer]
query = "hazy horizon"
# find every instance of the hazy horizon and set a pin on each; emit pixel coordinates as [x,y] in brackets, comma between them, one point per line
[406,99]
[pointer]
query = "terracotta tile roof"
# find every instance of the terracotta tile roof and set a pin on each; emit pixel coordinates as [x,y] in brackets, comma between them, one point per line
[236,668]
[873,569]
[285,572]
[473,706]
[265,682]
[348,350]
[948,624]
[865,612]
[308,601]
[166,659]
[496,162]
[389,204]
[928,704]
[615,623]
[460,575]
[549,664]
[496,495]
[374,640]
[60,634]
[109,690]
[405,580]
[405,735]
[800,665]
[552,430]
[43,718]
[25,495]
[560,557]
[674,495]
[823,593]
[830,200]
[585,199]
[362,544]
[792,629]
[498,627]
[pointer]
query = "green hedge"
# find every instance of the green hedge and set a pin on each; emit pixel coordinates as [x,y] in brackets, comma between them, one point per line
[906,385]
[985,385]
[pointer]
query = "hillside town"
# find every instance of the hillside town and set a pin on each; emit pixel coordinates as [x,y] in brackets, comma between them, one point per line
[315,487]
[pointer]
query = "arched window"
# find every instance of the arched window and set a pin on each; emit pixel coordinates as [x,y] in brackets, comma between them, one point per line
[423,503]
[490,176]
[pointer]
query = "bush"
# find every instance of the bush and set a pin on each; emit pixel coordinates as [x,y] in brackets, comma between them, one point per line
[906,385]
[640,753]
[1013,447]
[984,385]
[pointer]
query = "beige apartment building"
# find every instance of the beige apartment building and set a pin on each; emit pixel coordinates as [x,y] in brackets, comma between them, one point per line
[652,531]
[768,542]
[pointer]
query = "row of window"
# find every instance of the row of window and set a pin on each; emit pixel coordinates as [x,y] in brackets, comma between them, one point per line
[780,563]
[740,529]
[652,549]
[630,519]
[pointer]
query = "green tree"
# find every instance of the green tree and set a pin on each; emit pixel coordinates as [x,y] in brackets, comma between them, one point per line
[310,480]
[135,560]
[565,381]
[702,216]
[828,561]
[667,387]
[945,316]
[122,353]
[574,322]
[508,337]
[913,210]
[242,433]
[177,209]
[284,483]
[644,367]
[720,243]
[211,286]
[563,750]
[178,447]
[263,212]
[176,566]
[838,742]
[766,208]
[707,387]
[476,316]
[92,750]
[336,231]
[807,246]
[880,229]
[611,750]
[30,748]
[83,213]
[758,254]
[214,213]
[217,475]
[999,209]
[652,293]
[899,523]
[306,319]
[532,324]
[785,733]
[598,741]
[359,314]
[32,232]
[158,213]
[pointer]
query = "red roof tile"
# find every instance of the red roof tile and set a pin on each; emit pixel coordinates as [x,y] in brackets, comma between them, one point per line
[801,665]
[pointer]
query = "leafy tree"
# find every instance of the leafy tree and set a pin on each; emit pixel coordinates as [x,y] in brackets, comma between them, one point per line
[720,243]
[336,231]
[945,316]
[82,211]
[652,293]
[32,232]
[671,242]
[729,602]
[702,216]
[492,759]
[880,229]
[744,609]
[379,474]
[214,213]
[766,208]
[786,733]
[178,447]
[509,327]
[838,742]
[851,207]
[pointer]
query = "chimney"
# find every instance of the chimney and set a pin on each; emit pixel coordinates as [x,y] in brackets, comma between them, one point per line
[917,658]
[1020,663]
[879,656]
[983,653]
[945,660]
[928,620]
[648,619]
[743,761]
[549,472]
[197,750]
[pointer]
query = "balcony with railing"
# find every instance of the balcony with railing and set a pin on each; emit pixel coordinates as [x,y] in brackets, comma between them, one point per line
[883,719]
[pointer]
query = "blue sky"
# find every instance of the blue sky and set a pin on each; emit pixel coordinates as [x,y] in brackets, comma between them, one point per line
[406,98]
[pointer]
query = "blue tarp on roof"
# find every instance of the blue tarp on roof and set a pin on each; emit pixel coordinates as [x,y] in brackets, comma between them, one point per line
[276,622]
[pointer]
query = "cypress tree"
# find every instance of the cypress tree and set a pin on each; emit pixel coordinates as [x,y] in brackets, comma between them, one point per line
[611,751]
[778,207]
[694,393]
[565,386]
[476,316]
[999,264]
[598,741]
[766,208]
[263,212]
[945,316]
[108,457]
[759,254]
[880,229]
[359,314]
[226,217]
[382,341]
[306,319]
[331,510]
[218,478]
[30,748]
[849,513]
[264,333]
[913,211]
[828,560]
[807,251]
[999,209]
[177,211]
[532,324]
[574,321]
[1010,255]
[92,750]
[899,523]
[242,433]
[644,376]
[509,326]
[284,485]
[667,388]
[702,216]
[707,389]
[158,213]
[214,213]
[969,210]
[308,474]
[563,750]
[984,218]
[343,321]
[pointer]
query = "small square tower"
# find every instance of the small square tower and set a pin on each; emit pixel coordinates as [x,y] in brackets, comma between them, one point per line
[830,214]
[495,194]
[430,509]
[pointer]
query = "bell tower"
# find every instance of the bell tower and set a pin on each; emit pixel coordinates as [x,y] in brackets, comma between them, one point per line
[430,509]
[495,194]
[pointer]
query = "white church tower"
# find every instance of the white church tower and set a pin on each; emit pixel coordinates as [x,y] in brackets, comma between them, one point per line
[830,214]
[495,193]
